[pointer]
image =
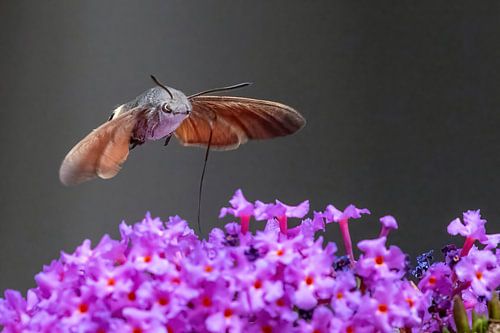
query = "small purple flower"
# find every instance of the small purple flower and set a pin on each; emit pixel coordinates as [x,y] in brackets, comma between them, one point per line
[481,270]
[225,320]
[281,212]
[388,223]
[309,227]
[438,278]
[160,277]
[491,241]
[378,262]
[240,207]
[332,214]
[321,321]
[384,308]
[345,298]
[472,228]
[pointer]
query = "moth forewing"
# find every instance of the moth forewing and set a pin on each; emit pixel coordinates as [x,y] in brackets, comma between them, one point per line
[101,153]
[246,118]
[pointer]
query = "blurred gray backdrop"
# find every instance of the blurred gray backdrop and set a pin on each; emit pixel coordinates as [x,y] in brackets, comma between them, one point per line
[402,102]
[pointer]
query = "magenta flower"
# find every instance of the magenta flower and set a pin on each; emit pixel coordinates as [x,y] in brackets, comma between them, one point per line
[378,262]
[309,227]
[322,321]
[438,278]
[491,241]
[482,270]
[281,212]
[472,228]
[160,277]
[225,320]
[383,309]
[345,298]
[312,283]
[388,223]
[241,208]
[332,214]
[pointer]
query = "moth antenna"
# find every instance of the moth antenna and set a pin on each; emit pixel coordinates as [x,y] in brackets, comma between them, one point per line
[202,177]
[235,86]
[162,85]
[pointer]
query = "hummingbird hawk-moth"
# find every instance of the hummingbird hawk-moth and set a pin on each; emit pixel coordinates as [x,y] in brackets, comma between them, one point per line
[219,122]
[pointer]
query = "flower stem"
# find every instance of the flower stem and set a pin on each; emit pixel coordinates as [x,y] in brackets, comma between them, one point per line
[346,237]
[283,224]
[383,232]
[245,223]
[460,315]
[469,241]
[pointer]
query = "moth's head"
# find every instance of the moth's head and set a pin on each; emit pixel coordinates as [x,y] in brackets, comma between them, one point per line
[171,103]
[169,100]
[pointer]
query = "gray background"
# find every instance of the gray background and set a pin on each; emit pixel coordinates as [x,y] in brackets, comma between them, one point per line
[401,99]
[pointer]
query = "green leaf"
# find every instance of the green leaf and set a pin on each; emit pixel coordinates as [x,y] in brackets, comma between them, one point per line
[460,315]
[480,325]
[494,307]
[474,319]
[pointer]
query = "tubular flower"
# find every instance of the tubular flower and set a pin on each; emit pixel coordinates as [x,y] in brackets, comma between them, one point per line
[332,214]
[160,277]
[281,212]
[472,228]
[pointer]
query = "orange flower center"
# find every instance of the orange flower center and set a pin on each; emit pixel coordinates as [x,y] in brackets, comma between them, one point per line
[137,330]
[147,259]
[131,296]
[208,268]
[176,280]
[379,260]
[83,308]
[228,313]
[163,301]
[317,330]
[432,280]
[383,308]
[349,329]
[206,301]
[309,280]
[267,329]
[111,282]
[280,252]
[257,284]
[479,275]
[410,302]
[340,295]
[280,302]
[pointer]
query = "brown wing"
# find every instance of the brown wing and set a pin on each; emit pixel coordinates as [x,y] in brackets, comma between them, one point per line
[101,153]
[234,120]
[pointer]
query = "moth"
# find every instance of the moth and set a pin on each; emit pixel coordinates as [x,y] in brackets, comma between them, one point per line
[219,122]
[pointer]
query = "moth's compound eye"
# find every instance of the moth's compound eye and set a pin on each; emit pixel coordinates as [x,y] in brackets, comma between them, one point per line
[166,108]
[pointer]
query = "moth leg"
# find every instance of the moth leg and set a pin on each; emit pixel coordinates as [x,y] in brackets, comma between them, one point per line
[167,140]
[111,116]
[139,134]
[135,142]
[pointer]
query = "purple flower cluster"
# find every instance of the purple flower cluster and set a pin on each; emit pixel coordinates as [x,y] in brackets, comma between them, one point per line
[159,277]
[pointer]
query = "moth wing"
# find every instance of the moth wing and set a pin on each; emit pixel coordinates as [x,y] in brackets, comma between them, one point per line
[195,131]
[101,153]
[234,120]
